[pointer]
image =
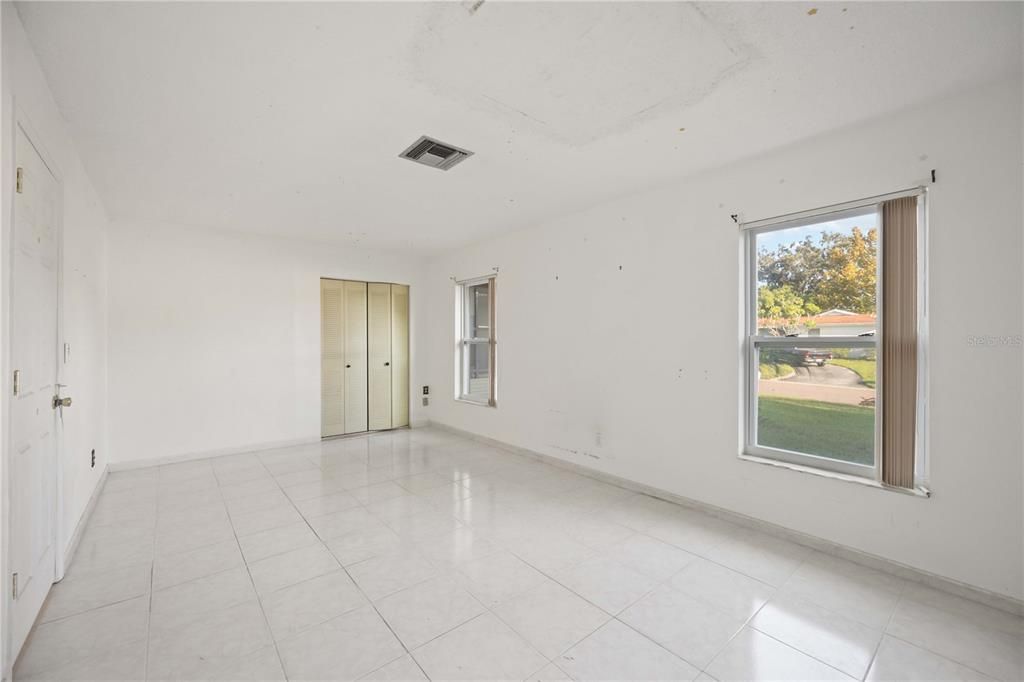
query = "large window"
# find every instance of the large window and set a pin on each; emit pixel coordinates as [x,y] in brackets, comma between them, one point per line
[477,343]
[818,337]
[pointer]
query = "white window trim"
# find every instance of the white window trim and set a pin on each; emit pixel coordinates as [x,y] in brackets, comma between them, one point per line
[462,343]
[750,450]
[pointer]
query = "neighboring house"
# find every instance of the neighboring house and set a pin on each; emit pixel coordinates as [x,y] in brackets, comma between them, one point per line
[833,322]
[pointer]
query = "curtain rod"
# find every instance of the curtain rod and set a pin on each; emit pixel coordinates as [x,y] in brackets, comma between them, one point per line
[480,278]
[831,208]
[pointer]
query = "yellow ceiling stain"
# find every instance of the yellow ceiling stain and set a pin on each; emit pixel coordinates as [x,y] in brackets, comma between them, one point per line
[811,12]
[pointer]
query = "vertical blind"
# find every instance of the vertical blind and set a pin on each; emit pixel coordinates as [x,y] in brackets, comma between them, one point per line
[899,340]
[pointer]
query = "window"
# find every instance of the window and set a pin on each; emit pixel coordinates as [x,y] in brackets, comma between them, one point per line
[477,343]
[832,339]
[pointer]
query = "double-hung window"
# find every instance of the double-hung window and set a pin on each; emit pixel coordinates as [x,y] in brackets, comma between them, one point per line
[833,327]
[476,352]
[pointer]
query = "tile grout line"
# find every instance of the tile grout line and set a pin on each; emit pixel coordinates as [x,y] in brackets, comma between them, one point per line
[747,624]
[369,601]
[487,608]
[248,571]
[942,656]
[658,584]
[149,617]
[885,632]
[924,647]
[152,578]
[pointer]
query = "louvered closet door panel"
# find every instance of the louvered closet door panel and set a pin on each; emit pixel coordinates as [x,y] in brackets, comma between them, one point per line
[355,357]
[378,317]
[332,358]
[399,355]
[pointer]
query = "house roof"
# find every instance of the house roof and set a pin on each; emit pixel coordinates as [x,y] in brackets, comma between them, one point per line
[843,318]
[829,318]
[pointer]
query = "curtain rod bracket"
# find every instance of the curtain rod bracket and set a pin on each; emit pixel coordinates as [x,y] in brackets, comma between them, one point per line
[735,218]
[933,176]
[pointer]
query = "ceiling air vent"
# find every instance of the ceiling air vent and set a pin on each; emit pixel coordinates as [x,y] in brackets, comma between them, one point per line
[430,152]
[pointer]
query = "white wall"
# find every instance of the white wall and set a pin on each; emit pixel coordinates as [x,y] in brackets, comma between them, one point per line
[636,371]
[215,337]
[27,97]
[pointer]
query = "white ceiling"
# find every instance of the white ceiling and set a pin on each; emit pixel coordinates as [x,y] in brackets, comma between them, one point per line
[287,118]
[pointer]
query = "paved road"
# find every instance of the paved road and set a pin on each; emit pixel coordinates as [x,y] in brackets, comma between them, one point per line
[830,384]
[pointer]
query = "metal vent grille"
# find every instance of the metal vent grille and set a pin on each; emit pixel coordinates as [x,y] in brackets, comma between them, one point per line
[431,152]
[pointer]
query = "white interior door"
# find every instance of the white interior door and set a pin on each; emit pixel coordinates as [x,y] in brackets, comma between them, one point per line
[355,357]
[34,421]
[378,319]
[332,357]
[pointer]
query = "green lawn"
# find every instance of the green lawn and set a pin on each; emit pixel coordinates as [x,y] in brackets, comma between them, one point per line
[844,432]
[865,369]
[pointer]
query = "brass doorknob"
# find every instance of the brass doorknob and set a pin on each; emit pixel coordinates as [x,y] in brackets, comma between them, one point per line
[61,402]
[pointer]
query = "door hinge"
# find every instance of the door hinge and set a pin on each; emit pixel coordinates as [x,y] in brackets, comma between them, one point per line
[14,585]
[19,179]
[17,381]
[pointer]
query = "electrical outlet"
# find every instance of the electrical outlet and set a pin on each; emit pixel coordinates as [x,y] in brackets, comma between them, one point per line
[426,401]
[92,464]
[426,390]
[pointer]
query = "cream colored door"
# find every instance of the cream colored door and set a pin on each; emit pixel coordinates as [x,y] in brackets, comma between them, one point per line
[378,318]
[332,357]
[355,357]
[399,355]
[34,421]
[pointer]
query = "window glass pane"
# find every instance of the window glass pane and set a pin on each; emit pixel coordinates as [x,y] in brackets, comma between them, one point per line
[477,315]
[819,279]
[818,401]
[478,371]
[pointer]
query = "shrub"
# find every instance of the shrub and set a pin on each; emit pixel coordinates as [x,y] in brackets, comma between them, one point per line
[767,371]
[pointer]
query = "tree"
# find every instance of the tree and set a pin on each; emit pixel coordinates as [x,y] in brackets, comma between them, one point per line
[781,308]
[836,270]
[850,276]
[799,266]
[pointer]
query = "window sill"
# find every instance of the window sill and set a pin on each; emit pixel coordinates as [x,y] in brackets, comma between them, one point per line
[860,480]
[478,403]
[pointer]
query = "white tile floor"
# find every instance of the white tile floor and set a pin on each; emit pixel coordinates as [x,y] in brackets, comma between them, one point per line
[419,554]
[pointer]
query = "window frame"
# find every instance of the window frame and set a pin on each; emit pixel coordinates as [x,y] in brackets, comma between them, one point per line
[463,342]
[753,342]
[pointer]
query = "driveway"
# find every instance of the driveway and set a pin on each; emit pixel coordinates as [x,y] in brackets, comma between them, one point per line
[830,384]
[829,375]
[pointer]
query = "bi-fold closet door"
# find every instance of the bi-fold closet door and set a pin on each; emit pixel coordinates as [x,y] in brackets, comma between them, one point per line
[364,356]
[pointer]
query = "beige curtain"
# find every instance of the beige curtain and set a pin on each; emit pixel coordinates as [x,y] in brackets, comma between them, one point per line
[899,340]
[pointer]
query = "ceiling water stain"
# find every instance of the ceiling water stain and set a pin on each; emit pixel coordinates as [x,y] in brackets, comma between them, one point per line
[811,12]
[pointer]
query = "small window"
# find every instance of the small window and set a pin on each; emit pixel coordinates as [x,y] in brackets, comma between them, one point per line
[477,343]
[817,334]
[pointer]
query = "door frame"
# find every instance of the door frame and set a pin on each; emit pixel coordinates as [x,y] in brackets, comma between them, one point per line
[20,120]
[408,369]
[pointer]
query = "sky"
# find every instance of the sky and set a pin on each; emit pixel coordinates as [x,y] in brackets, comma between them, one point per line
[771,240]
